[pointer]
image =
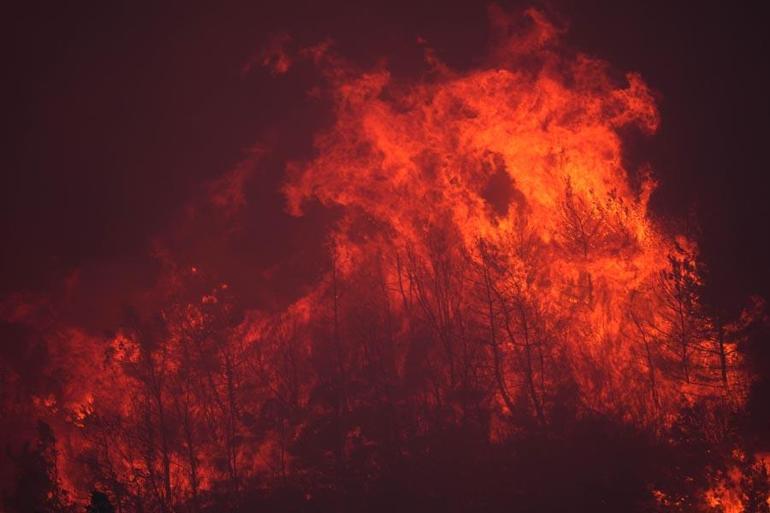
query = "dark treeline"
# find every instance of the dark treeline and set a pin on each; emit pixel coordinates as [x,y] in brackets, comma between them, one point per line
[411,383]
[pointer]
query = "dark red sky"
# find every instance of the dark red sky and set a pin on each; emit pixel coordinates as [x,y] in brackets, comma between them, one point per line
[118,113]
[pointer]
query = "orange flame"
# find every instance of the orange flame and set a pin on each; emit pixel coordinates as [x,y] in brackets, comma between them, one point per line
[490,244]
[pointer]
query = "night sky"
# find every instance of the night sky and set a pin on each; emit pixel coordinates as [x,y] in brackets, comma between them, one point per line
[119,116]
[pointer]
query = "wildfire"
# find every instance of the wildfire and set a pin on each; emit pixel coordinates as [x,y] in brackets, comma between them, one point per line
[492,253]
[506,185]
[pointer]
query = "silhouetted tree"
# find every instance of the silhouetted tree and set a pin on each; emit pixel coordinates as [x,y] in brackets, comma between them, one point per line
[100,503]
[37,488]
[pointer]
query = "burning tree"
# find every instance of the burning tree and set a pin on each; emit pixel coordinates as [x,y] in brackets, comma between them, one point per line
[448,314]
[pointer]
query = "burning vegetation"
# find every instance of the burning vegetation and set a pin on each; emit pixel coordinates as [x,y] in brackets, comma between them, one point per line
[500,324]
